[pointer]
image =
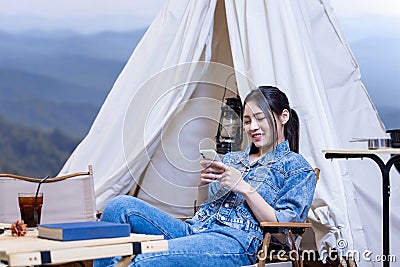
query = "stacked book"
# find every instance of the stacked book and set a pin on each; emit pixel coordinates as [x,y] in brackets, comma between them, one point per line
[83,230]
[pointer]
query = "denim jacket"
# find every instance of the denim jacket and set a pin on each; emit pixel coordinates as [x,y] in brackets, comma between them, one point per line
[283,178]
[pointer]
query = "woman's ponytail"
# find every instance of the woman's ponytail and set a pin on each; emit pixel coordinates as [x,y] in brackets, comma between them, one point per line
[291,131]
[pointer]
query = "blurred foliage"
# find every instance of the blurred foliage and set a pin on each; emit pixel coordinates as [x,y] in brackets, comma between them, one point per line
[32,152]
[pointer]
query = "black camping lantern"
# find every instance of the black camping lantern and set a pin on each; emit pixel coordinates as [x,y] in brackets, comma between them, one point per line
[230,129]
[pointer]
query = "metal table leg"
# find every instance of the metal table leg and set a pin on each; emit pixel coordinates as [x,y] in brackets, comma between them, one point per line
[385,171]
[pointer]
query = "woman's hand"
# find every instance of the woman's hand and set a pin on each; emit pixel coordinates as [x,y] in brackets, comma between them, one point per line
[233,180]
[210,173]
[228,176]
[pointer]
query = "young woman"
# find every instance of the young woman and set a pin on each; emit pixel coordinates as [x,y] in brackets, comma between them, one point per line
[269,181]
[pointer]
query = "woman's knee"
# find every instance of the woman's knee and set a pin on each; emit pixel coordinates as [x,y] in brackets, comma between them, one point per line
[118,201]
[115,208]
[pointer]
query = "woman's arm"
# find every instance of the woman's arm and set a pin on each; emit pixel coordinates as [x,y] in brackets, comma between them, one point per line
[232,178]
[295,196]
[287,207]
[260,208]
[208,175]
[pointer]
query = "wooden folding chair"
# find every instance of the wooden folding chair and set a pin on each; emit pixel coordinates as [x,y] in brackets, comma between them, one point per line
[270,228]
[69,197]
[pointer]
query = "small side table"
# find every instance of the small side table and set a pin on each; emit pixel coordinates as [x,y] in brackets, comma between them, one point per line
[385,170]
[31,250]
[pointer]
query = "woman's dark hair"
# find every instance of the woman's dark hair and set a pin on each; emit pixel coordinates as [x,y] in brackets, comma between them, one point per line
[272,101]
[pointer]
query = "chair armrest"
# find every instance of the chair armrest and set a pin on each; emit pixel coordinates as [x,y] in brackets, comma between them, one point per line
[295,227]
[286,224]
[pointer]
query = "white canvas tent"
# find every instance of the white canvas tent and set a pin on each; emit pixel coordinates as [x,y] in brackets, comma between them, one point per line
[165,104]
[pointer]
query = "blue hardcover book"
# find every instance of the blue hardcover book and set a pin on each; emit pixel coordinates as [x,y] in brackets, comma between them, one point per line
[82,230]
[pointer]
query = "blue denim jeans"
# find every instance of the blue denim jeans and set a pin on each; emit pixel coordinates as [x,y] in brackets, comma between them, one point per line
[214,245]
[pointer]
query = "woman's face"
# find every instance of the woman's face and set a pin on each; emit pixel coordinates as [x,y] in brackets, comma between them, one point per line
[258,128]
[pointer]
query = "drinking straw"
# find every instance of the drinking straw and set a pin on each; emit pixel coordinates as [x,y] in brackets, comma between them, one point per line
[35,213]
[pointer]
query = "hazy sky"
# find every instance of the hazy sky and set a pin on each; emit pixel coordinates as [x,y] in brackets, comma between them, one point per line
[94,15]
[356,8]
[62,8]
[80,15]
[148,8]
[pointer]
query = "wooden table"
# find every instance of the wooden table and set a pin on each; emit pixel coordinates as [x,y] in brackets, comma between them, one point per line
[31,250]
[385,170]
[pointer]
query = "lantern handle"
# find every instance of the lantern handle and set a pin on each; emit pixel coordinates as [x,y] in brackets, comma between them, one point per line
[226,83]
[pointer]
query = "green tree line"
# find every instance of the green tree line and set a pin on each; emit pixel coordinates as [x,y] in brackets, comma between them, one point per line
[33,152]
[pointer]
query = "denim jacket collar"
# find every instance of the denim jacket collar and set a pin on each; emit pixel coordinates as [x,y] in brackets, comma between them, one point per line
[280,150]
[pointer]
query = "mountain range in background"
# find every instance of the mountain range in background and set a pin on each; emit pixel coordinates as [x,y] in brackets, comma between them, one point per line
[58,80]
[54,83]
